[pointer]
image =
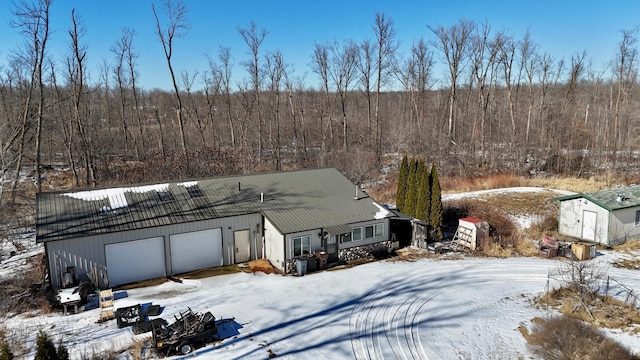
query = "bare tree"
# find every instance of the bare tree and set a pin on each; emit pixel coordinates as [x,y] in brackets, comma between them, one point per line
[454,43]
[275,68]
[320,66]
[342,71]
[175,27]
[253,37]
[387,45]
[33,21]
[625,66]
[76,66]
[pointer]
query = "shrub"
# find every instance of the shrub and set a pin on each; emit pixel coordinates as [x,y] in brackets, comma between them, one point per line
[566,338]
[5,352]
[45,349]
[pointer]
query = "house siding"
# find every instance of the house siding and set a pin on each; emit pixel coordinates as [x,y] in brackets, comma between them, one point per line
[87,254]
[274,245]
[364,242]
[623,227]
[571,217]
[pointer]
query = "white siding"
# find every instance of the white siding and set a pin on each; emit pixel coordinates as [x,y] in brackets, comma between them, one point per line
[274,245]
[623,227]
[571,224]
[375,239]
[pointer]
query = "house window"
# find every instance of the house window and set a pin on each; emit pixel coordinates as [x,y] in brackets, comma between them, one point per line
[301,245]
[637,217]
[379,229]
[356,234]
[375,230]
[346,237]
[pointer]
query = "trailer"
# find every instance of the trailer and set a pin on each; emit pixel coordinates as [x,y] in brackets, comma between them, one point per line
[189,332]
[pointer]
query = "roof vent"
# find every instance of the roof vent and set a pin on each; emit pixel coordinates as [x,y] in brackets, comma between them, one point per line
[621,197]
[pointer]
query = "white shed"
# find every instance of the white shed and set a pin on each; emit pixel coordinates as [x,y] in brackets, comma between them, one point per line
[470,230]
[608,217]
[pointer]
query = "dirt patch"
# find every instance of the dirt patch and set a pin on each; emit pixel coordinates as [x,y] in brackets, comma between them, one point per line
[262,265]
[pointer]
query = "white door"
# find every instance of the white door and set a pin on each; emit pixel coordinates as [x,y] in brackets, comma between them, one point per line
[133,261]
[242,247]
[589,225]
[196,250]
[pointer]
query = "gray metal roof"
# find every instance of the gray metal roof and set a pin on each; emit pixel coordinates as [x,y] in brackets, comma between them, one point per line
[611,199]
[293,201]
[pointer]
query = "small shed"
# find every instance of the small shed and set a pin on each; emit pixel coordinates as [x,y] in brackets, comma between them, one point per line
[608,217]
[470,231]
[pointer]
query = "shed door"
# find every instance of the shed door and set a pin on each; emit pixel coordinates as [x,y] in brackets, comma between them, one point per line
[196,250]
[241,242]
[589,225]
[133,261]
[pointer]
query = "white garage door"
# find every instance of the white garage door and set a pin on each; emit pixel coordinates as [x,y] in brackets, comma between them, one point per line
[196,250]
[132,261]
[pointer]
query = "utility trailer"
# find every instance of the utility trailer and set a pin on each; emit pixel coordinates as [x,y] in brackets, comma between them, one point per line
[189,331]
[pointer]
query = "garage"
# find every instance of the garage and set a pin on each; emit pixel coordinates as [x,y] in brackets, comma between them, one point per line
[133,261]
[196,250]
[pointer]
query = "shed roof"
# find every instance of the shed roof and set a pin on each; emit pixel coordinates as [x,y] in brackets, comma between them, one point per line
[293,201]
[610,199]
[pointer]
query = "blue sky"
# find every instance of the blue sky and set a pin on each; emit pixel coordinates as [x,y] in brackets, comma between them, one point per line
[561,28]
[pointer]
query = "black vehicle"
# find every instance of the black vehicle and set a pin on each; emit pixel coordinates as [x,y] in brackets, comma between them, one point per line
[189,332]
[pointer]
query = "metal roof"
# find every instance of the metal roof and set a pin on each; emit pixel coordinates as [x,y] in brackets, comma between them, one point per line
[293,201]
[611,199]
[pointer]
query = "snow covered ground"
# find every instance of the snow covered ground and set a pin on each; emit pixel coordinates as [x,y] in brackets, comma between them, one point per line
[468,308]
[431,308]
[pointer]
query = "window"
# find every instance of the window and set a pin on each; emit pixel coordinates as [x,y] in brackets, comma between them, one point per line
[356,234]
[379,229]
[301,244]
[375,230]
[346,237]
[637,217]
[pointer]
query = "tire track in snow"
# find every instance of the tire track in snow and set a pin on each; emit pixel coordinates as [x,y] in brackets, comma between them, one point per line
[386,324]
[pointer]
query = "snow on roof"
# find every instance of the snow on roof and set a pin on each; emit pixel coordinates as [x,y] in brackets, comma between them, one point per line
[382,213]
[116,196]
[188,184]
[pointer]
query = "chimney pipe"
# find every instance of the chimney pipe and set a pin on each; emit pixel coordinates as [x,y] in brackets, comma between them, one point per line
[357,193]
[239,186]
[261,197]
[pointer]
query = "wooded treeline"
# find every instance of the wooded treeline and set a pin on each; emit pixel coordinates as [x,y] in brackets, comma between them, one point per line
[504,105]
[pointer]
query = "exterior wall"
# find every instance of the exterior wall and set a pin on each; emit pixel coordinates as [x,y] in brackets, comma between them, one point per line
[385,234]
[623,226]
[274,245]
[570,221]
[316,245]
[87,254]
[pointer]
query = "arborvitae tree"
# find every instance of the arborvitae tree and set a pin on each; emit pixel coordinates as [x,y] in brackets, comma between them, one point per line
[423,208]
[62,352]
[5,352]
[45,349]
[403,174]
[410,201]
[436,204]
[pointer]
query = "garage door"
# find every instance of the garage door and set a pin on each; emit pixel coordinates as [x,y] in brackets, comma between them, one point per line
[133,261]
[196,250]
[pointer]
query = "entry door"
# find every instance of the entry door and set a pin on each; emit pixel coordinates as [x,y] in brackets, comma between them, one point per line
[589,225]
[243,248]
[331,247]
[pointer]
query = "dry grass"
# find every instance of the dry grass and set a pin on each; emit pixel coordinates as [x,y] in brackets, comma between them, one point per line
[629,246]
[568,338]
[599,310]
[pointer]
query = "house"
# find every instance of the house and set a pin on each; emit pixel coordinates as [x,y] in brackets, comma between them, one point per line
[608,217]
[115,236]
